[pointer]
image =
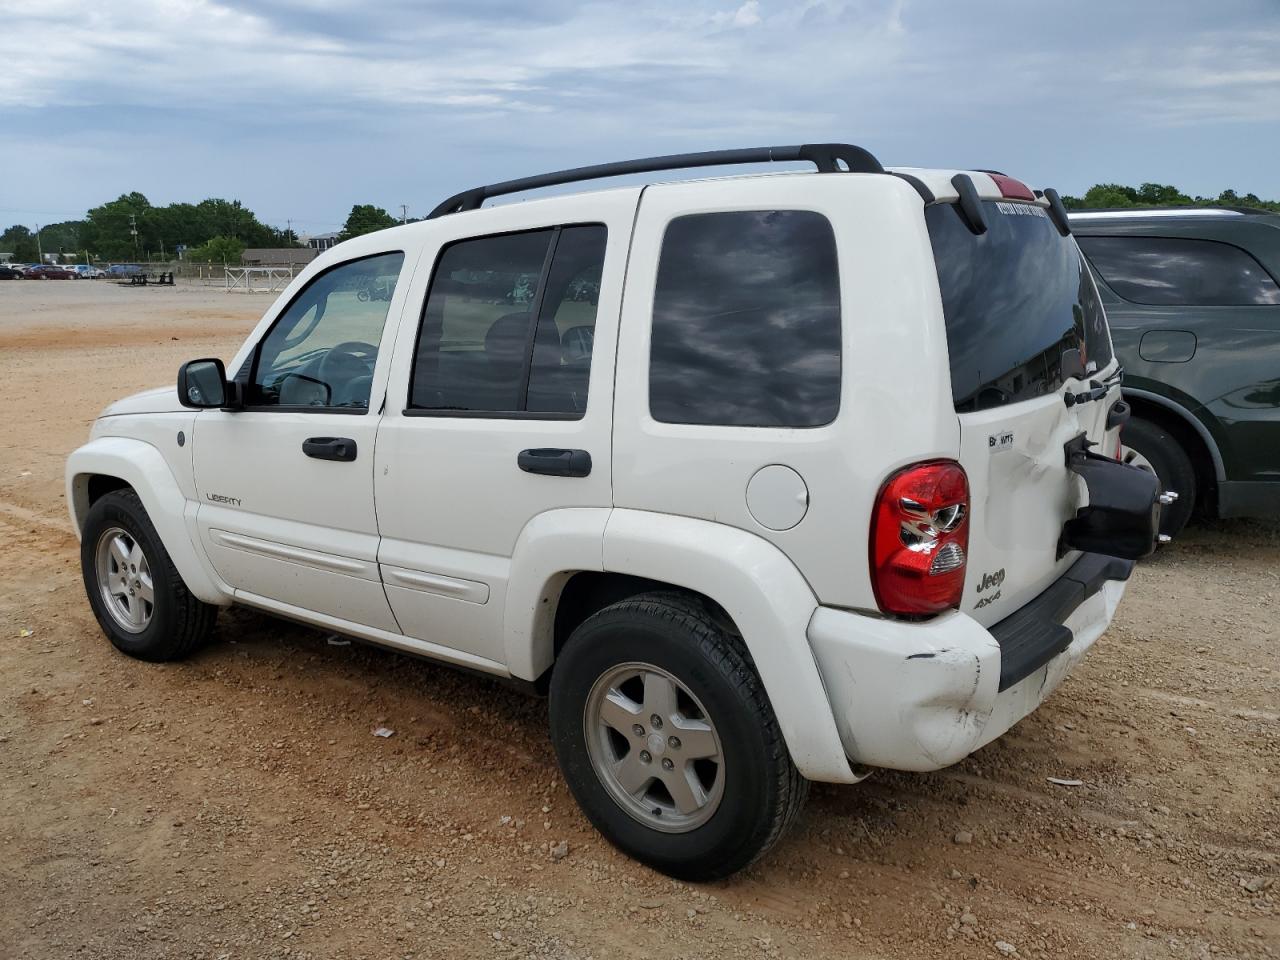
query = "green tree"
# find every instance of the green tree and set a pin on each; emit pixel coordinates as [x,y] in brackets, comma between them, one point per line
[218,250]
[19,241]
[1110,195]
[160,230]
[366,218]
[1161,195]
[107,229]
[1229,198]
[63,239]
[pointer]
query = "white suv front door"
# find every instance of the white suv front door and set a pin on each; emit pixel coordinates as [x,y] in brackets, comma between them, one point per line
[286,483]
[499,412]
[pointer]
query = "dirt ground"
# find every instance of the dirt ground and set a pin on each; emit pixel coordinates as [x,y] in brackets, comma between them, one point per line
[237,806]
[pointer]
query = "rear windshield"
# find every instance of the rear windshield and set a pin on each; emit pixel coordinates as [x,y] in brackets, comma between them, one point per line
[1014,299]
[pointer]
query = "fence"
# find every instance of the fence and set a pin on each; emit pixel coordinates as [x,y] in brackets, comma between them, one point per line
[257,279]
[207,274]
[230,278]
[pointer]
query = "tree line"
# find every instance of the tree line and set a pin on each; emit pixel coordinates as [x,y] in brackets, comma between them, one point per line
[1161,195]
[215,230]
[130,228]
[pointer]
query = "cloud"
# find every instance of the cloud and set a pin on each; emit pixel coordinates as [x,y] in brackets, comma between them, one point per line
[310,105]
[1216,77]
[208,52]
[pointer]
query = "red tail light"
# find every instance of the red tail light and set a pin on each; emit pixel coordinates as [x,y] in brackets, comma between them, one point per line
[920,539]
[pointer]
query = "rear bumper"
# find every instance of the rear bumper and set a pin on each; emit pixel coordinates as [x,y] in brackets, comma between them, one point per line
[922,696]
[1032,636]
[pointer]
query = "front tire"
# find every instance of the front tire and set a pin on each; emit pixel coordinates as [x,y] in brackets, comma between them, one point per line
[667,739]
[1154,448]
[135,591]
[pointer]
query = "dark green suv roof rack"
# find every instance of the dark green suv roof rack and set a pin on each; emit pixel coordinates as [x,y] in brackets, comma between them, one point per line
[827,157]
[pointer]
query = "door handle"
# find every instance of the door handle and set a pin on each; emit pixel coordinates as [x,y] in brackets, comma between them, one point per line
[330,448]
[555,462]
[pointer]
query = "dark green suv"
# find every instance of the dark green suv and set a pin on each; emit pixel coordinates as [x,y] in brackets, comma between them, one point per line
[1194,307]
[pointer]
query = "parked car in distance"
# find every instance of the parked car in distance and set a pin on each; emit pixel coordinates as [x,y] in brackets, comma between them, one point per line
[49,271]
[10,273]
[117,270]
[736,546]
[88,272]
[1194,305]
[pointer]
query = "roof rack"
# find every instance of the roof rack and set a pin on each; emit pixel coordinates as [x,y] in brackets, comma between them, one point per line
[827,157]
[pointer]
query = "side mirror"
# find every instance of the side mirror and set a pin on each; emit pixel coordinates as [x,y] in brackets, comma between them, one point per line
[202,384]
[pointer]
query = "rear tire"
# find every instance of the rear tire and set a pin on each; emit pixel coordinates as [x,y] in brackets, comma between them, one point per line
[1147,445]
[740,801]
[135,591]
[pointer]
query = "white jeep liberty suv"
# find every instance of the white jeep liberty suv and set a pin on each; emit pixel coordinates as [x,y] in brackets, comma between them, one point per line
[762,479]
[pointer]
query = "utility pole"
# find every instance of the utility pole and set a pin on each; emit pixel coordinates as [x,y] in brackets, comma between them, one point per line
[133,229]
[39,249]
[404,213]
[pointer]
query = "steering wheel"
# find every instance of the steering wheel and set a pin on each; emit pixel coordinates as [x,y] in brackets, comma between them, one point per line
[345,361]
[296,336]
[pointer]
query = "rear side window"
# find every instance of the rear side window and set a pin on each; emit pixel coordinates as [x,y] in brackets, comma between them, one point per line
[1171,271]
[1014,299]
[509,324]
[746,321]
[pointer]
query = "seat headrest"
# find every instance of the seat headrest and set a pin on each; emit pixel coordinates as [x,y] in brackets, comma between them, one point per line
[506,335]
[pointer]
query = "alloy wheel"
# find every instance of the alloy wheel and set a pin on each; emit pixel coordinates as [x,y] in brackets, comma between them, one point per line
[653,746]
[124,579]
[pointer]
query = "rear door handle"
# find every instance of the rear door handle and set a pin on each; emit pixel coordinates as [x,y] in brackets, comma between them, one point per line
[342,449]
[555,462]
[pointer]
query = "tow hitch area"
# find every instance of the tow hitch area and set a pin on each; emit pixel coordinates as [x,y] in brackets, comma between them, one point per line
[1122,518]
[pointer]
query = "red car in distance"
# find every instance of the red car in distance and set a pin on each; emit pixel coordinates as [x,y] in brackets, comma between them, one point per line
[49,271]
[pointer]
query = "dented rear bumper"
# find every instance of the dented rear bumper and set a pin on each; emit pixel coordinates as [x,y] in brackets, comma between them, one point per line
[921,696]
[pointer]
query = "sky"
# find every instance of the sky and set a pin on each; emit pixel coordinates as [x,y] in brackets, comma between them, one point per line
[301,108]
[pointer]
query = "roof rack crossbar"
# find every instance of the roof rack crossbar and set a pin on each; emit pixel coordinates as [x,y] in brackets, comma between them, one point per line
[827,157]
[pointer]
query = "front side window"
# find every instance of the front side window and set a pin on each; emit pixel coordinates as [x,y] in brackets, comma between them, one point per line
[746,321]
[321,351]
[1173,271]
[509,324]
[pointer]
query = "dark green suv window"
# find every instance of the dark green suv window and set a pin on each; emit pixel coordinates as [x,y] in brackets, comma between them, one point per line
[1172,271]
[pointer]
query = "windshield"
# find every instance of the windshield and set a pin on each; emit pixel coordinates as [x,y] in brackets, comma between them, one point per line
[1014,298]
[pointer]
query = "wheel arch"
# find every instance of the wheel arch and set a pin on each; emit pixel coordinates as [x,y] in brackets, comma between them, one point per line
[1196,440]
[114,463]
[742,579]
